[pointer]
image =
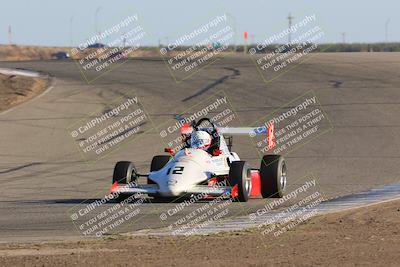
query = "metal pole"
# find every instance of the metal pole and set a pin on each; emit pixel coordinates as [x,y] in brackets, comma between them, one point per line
[71,20]
[253,37]
[9,35]
[96,29]
[387,30]
[290,18]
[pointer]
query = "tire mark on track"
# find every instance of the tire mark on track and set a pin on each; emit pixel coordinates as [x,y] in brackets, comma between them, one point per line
[21,167]
[221,80]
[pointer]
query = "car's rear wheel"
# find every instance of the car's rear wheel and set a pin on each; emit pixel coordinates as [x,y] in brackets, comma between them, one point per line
[157,163]
[124,172]
[273,176]
[240,175]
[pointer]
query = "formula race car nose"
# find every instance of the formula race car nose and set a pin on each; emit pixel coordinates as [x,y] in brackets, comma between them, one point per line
[174,188]
[171,188]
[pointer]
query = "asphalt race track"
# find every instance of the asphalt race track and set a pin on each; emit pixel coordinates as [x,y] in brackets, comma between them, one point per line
[43,176]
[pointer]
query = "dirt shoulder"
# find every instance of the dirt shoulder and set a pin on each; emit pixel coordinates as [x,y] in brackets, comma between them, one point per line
[367,236]
[15,90]
[27,52]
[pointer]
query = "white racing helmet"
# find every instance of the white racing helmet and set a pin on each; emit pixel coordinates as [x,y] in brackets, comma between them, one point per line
[200,140]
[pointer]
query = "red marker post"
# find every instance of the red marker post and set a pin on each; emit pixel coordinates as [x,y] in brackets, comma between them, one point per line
[246,37]
[271,136]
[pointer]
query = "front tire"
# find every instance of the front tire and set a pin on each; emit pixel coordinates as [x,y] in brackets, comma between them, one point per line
[124,172]
[240,174]
[273,176]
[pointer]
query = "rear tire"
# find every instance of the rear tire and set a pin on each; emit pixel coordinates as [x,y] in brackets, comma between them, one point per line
[157,163]
[124,172]
[240,174]
[273,176]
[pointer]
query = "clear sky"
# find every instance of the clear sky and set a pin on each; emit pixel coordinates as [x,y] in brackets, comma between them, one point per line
[57,23]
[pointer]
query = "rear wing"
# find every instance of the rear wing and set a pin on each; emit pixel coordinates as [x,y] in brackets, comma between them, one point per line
[268,132]
[251,131]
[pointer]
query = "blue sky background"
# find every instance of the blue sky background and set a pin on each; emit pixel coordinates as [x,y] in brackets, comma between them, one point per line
[48,22]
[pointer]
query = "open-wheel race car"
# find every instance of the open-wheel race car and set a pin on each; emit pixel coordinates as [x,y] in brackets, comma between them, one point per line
[206,166]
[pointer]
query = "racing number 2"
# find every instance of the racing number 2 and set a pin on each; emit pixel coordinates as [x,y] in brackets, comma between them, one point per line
[176,170]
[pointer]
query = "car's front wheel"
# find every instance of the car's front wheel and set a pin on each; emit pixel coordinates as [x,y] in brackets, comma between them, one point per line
[124,172]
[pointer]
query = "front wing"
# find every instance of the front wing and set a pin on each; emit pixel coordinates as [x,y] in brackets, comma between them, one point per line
[153,189]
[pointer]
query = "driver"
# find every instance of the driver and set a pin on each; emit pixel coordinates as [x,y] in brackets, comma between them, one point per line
[200,140]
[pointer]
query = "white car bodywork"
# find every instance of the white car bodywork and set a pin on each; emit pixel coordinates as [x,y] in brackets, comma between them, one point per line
[189,170]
